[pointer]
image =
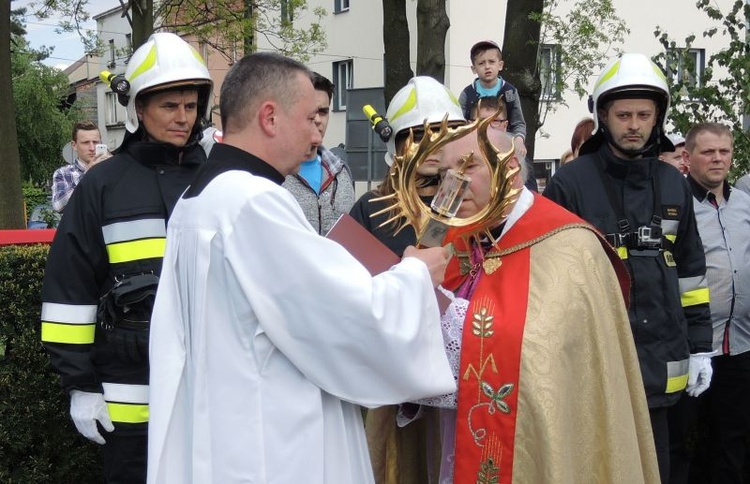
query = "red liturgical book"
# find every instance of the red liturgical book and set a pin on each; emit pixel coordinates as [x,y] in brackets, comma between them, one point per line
[368,250]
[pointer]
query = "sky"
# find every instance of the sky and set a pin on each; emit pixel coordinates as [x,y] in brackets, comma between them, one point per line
[68,47]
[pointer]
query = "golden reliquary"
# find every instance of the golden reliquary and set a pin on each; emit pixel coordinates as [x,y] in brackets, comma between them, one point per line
[432,222]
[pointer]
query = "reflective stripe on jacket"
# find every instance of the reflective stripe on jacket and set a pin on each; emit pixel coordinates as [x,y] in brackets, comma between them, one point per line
[113,227]
[669,310]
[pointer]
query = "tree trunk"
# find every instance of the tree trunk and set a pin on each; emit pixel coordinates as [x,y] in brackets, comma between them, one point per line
[248,41]
[396,47]
[142,12]
[11,197]
[520,51]
[432,27]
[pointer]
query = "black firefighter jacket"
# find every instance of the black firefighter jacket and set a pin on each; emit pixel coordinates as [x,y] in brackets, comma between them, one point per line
[669,311]
[113,230]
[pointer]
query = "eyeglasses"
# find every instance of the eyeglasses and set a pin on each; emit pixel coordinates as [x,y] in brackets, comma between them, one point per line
[498,123]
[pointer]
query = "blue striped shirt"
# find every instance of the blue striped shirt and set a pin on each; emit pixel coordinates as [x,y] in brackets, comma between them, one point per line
[724,227]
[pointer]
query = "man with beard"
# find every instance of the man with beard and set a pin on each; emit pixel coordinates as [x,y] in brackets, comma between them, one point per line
[645,210]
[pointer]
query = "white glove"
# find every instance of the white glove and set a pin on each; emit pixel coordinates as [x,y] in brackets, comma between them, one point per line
[699,373]
[85,409]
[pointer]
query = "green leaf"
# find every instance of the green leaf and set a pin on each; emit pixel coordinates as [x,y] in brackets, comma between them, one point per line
[487,389]
[505,390]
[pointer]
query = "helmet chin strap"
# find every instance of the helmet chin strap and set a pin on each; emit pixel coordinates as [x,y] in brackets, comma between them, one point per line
[651,146]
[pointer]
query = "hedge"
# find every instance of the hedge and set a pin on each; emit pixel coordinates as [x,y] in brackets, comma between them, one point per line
[38,441]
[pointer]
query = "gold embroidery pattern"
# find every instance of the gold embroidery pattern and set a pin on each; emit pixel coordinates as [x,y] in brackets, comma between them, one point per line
[490,265]
[482,327]
[488,472]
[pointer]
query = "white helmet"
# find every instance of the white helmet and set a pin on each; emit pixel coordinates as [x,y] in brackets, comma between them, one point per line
[677,139]
[422,99]
[629,76]
[165,61]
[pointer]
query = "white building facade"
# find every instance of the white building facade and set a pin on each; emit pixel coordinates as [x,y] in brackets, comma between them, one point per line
[113,31]
[354,56]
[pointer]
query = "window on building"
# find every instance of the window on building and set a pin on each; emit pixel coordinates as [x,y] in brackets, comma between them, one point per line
[129,46]
[343,76]
[115,114]
[235,53]
[112,49]
[204,51]
[549,69]
[686,66]
[287,12]
[340,6]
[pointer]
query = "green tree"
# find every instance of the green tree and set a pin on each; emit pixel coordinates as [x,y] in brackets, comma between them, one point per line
[583,38]
[42,120]
[580,43]
[32,135]
[73,16]
[722,92]
[228,24]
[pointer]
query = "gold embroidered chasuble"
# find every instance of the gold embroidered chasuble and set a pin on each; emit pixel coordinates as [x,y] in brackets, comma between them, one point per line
[560,399]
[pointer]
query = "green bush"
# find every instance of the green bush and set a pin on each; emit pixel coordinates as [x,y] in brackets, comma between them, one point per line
[38,441]
[33,196]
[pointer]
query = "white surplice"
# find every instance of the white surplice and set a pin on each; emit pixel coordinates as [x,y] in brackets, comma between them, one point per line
[266,336]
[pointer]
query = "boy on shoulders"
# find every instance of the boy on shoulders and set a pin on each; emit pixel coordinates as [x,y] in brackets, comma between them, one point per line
[487,63]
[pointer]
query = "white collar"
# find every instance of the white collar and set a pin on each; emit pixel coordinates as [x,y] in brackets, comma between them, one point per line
[523,204]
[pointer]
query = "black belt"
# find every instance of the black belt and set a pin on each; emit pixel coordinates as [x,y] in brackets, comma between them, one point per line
[127,324]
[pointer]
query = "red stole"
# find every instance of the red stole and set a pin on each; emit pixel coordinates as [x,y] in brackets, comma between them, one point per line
[491,346]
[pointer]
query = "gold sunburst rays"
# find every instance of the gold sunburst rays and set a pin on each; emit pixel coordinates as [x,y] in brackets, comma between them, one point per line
[408,208]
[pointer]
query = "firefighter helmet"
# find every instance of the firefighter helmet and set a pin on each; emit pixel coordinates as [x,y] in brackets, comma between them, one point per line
[630,76]
[422,99]
[166,61]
